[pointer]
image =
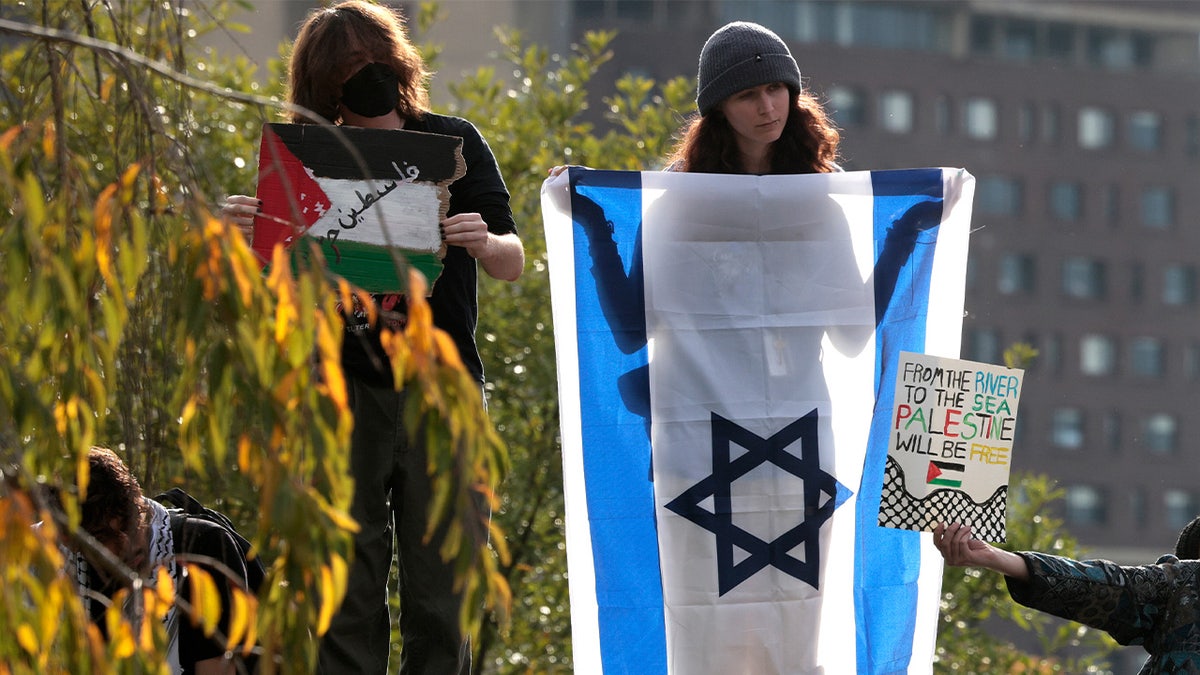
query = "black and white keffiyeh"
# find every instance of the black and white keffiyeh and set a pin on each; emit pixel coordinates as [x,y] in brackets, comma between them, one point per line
[160,553]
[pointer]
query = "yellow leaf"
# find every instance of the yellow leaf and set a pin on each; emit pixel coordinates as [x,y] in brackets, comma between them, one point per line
[189,412]
[27,638]
[120,633]
[251,625]
[242,280]
[145,626]
[243,450]
[341,519]
[128,178]
[328,602]
[6,139]
[416,283]
[164,587]
[447,350]
[237,617]
[49,137]
[364,298]
[334,382]
[206,601]
[345,294]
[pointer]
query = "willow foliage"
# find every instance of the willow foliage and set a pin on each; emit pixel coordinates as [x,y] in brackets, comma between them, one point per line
[131,318]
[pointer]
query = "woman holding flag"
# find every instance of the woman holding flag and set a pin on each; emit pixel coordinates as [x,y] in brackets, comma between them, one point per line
[755,116]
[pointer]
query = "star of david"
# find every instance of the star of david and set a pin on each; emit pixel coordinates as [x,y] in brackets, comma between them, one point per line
[822,495]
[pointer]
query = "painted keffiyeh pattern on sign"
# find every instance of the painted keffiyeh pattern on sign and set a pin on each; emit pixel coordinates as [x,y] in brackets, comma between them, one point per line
[726,350]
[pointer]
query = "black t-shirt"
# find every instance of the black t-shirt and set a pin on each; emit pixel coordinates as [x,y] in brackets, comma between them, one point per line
[454,302]
[199,540]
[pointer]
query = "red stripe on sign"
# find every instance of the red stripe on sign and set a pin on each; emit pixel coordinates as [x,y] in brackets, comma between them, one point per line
[291,200]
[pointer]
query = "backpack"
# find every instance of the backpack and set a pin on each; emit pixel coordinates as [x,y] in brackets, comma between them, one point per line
[177,498]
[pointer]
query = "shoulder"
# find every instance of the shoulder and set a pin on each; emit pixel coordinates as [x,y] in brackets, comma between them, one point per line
[450,125]
[201,536]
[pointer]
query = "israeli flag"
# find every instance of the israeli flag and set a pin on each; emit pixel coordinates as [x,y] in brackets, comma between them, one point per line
[726,352]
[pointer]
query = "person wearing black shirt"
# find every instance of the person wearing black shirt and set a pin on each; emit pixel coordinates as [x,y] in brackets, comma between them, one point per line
[353,64]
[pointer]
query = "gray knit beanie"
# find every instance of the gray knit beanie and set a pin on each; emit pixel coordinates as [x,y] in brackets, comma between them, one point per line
[738,56]
[1188,545]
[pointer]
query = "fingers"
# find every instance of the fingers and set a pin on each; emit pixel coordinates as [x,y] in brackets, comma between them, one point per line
[953,541]
[556,170]
[464,228]
[239,211]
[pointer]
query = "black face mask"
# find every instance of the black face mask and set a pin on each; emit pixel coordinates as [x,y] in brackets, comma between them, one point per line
[373,91]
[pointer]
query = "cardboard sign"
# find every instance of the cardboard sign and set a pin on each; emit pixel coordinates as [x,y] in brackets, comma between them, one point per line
[950,445]
[367,198]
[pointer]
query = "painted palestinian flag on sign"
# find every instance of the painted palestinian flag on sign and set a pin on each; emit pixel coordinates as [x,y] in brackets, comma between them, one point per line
[366,198]
[945,474]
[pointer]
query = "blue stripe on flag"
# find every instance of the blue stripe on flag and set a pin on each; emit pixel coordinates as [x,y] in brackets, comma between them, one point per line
[908,205]
[615,420]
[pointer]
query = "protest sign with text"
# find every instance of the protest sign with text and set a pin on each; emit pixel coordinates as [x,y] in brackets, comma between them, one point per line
[950,446]
[371,200]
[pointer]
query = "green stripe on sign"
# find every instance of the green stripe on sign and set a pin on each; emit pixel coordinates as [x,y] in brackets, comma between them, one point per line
[946,482]
[367,266]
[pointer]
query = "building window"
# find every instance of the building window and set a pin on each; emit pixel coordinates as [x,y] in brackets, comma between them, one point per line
[848,106]
[979,118]
[983,35]
[1159,433]
[1016,274]
[1145,130]
[1060,42]
[1137,282]
[1179,285]
[1110,427]
[1191,361]
[1083,278]
[1067,429]
[1020,39]
[1051,123]
[1118,50]
[1097,355]
[1137,505]
[1051,353]
[896,111]
[1181,507]
[1095,128]
[1158,206]
[1146,357]
[876,24]
[1025,121]
[998,196]
[1110,204]
[589,9]
[942,115]
[1066,201]
[1085,505]
[983,345]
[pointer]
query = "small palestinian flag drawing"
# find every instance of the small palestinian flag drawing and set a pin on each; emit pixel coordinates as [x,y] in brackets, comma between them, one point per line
[366,197]
[944,474]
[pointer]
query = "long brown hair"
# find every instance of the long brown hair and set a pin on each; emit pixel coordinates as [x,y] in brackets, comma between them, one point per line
[808,144]
[318,64]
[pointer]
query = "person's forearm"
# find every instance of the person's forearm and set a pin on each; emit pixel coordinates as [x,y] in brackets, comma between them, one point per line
[1010,565]
[505,258]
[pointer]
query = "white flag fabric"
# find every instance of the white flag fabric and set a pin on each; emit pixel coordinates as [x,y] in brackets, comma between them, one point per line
[726,352]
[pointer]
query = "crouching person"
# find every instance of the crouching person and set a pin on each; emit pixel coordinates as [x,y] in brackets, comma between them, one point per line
[136,536]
